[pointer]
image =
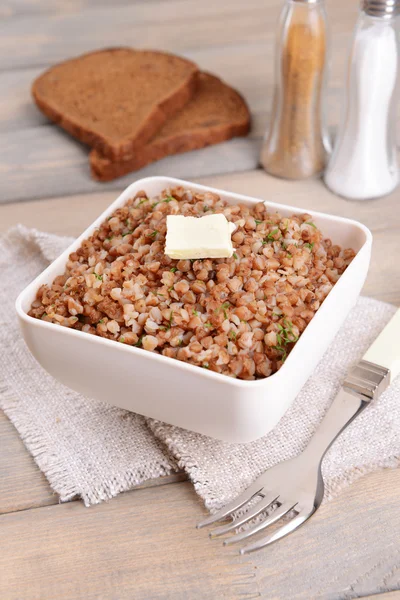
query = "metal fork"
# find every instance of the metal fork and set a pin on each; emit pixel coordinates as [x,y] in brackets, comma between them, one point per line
[296,485]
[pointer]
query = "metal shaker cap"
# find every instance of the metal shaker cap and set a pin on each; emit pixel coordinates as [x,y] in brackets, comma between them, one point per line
[381,8]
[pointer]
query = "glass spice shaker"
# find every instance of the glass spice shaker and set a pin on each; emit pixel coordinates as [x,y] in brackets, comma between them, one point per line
[297,144]
[364,161]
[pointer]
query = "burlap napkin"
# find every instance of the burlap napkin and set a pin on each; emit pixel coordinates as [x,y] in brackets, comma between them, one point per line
[94,451]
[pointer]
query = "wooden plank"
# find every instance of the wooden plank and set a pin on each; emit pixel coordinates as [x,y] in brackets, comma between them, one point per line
[17,110]
[71,215]
[45,162]
[22,485]
[395,595]
[13,8]
[144,545]
[175,25]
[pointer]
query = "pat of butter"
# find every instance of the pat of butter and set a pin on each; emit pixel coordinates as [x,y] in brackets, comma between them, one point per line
[199,237]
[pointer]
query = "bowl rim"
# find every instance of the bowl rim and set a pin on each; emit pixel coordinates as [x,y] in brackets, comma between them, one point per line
[194,369]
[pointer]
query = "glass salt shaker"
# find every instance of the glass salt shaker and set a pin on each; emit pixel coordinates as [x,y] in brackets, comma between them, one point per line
[297,143]
[364,161]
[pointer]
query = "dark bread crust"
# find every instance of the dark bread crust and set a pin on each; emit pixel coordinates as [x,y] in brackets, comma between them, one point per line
[166,107]
[184,136]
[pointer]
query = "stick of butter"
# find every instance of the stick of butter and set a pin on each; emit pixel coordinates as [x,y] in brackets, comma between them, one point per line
[199,237]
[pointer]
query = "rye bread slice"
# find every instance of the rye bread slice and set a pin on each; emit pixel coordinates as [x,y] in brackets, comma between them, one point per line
[115,100]
[215,114]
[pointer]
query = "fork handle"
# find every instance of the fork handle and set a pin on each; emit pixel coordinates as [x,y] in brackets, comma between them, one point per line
[344,408]
[371,376]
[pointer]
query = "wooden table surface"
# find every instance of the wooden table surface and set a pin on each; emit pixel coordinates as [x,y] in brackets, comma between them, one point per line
[142,544]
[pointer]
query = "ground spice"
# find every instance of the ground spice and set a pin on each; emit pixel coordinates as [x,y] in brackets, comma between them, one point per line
[296,145]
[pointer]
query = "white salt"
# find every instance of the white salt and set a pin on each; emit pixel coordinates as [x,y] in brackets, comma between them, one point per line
[364,162]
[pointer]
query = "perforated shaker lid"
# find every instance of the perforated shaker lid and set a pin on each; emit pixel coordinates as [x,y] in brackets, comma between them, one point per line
[381,8]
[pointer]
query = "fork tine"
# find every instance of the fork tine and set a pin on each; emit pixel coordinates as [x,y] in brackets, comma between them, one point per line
[238,502]
[286,529]
[253,512]
[275,516]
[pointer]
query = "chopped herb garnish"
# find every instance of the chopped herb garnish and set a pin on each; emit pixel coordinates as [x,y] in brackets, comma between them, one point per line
[158,294]
[143,200]
[153,235]
[101,321]
[162,327]
[206,208]
[126,222]
[205,365]
[223,307]
[232,335]
[284,337]
[168,199]
[283,352]
[170,320]
[108,239]
[99,277]
[196,314]
[235,256]
[139,342]
[270,236]
[286,332]
[122,340]
[154,205]
[171,288]
[284,246]
[288,324]
[310,246]
[312,224]
[258,222]
[289,255]
[173,270]
[127,233]
[208,325]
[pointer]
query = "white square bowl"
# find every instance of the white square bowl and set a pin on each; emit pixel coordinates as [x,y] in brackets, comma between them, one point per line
[180,393]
